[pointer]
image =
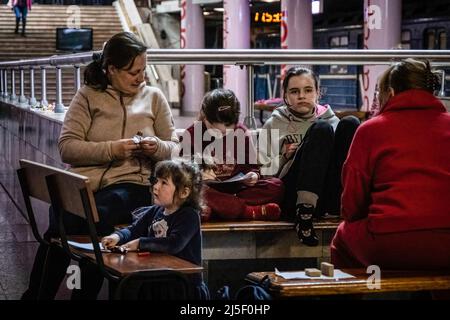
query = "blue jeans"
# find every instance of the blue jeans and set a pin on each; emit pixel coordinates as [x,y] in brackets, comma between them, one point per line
[21,12]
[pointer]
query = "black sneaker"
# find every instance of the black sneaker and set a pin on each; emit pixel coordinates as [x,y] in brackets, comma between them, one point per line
[304,225]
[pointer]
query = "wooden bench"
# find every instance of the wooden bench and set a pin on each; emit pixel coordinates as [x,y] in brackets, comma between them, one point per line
[224,240]
[390,281]
[259,225]
[244,246]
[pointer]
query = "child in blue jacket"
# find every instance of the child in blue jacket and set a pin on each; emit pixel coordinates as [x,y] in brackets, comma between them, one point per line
[172,224]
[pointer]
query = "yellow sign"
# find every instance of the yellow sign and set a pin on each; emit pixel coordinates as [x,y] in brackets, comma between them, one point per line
[267,17]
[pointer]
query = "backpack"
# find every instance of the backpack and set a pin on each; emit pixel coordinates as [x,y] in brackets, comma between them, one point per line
[248,292]
[252,293]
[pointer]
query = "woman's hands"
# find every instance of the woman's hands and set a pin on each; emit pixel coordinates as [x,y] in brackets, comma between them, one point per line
[147,147]
[124,148]
[110,241]
[250,179]
[127,148]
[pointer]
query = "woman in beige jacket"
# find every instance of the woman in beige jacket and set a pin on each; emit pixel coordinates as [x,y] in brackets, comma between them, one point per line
[116,128]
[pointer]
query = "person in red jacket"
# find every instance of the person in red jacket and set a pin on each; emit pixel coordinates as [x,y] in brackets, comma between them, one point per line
[396,196]
[228,147]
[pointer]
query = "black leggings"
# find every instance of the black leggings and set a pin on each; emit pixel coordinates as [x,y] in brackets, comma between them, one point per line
[114,205]
[317,166]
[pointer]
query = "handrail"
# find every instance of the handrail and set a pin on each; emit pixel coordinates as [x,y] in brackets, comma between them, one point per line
[278,56]
[56,60]
[248,58]
[254,57]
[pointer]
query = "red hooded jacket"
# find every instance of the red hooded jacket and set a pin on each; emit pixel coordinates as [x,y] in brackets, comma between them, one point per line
[397,173]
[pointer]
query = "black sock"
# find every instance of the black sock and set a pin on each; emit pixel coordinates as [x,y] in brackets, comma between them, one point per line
[304,224]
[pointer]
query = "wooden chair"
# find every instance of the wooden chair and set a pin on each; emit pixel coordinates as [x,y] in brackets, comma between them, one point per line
[70,193]
[32,179]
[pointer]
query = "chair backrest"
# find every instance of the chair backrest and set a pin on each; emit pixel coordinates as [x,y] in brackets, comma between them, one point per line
[33,184]
[70,192]
[33,175]
[69,186]
[65,191]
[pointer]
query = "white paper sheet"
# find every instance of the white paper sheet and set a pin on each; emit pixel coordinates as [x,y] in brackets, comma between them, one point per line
[338,274]
[86,246]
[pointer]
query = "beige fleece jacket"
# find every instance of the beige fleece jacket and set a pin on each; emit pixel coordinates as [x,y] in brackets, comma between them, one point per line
[97,118]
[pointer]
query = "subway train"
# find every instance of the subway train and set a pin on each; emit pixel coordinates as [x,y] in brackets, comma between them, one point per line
[424,26]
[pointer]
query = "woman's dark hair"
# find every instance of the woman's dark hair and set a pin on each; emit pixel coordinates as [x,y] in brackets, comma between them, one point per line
[119,51]
[221,106]
[412,74]
[184,174]
[298,71]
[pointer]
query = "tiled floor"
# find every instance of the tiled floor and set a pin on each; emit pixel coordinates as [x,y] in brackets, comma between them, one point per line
[17,250]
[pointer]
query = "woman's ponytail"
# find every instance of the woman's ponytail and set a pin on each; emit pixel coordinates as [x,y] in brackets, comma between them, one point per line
[94,74]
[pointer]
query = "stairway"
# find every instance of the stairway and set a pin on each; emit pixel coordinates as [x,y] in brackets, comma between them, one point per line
[42,22]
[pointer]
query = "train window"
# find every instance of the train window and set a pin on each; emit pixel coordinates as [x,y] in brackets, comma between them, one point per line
[435,38]
[430,39]
[443,40]
[406,39]
[338,42]
[334,42]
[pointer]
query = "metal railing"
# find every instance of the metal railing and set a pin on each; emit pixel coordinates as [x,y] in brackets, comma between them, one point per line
[57,62]
[248,58]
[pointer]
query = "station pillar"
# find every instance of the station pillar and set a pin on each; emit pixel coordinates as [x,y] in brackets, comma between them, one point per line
[192,36]
[296,26]
[236,35]
[382,30]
